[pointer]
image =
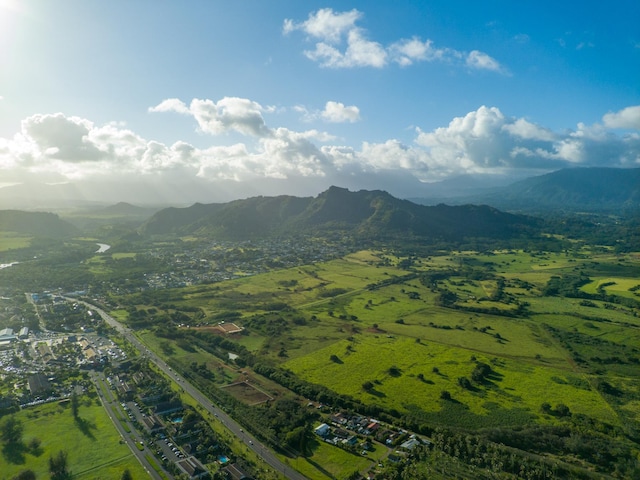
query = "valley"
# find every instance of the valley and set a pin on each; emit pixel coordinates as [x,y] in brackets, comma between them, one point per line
[344,352]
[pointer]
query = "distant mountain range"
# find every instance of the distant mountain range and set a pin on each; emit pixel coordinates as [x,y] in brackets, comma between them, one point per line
[570,190]
[363,213]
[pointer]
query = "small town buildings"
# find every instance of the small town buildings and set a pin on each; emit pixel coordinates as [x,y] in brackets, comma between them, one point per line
[192,468]
[38,384]
[7,336]
[323,430]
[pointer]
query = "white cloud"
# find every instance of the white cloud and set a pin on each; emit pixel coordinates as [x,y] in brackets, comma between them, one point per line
[325,24]
[337,112]
[626,118]
[170,105]
[486,140]
[228,114]
[57,148]
[408,51]
[360,52]
[60,137]
[530,131]
[343,44]
[482,61]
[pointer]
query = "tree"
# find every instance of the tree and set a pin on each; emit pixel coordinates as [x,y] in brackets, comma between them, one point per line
[11,430]
[298,438]
[465,383]
[367,386]
[444,395]
[394,371]
[58,466]
[34,444]
[25,475]
[562,410]
[75,404]
[126,475]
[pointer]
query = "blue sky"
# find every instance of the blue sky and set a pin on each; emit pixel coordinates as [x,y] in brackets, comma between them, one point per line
[223,99]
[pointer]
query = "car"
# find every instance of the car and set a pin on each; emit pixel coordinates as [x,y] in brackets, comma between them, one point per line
[250,442]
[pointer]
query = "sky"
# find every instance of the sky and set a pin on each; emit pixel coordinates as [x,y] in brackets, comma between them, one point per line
[215,100]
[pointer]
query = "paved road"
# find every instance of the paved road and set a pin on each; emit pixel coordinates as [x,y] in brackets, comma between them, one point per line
[110,403]
[260,449]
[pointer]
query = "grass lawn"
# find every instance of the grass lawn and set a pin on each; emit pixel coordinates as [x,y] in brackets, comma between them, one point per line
[328,462]
[13,241]
[93,445]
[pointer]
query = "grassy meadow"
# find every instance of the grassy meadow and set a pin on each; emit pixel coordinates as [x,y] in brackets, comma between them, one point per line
[93,445]
[395,336]
[13,241]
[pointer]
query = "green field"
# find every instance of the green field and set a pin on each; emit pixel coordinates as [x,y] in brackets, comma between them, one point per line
[397,337]
[93,446]
[13,241]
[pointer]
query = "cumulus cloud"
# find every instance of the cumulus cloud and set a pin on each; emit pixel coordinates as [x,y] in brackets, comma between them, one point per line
[58,147]
[337,112]
[228,114]
[62,138]
[325,24]
[341,43]
[486,140]
[482,61]
[628,118]
[408,51]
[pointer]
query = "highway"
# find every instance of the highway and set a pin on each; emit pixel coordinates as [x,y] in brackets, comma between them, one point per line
[131,438]
[258,448]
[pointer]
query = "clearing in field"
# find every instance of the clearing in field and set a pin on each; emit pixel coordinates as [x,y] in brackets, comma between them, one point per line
[247,393]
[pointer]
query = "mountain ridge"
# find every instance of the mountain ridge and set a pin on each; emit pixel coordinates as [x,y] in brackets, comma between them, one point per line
[40,224]
[579,189]
[367,213]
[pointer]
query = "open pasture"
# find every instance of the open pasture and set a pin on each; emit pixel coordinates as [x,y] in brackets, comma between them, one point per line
[621,286]
[13,241]
[410,376]
[94,449]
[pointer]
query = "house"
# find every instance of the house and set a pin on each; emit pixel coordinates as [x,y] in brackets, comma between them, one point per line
[323,430]
[192,468]
[6,335]
[351,441]
[152,424]
[410,444]
[235,472]
[38,384]
[24,333]
[341,433]
[168,407]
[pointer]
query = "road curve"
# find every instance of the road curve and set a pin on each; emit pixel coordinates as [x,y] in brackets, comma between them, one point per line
[251,442]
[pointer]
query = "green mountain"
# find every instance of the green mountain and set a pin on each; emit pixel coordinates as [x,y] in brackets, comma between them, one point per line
[39,224]
[365,213]
[570,190]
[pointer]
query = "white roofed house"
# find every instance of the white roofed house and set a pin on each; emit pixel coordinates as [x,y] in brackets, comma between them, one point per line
[7,336]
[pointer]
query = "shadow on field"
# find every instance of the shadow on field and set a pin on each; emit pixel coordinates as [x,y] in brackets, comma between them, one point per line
[85,427]
[376,393]
[320,468]
[14,452]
